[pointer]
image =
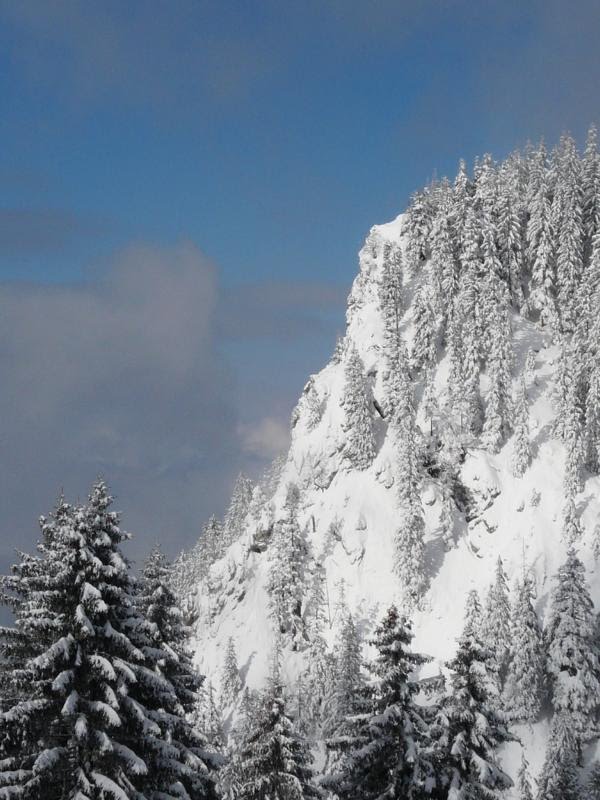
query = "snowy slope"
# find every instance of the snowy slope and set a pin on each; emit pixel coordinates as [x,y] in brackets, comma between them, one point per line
[518,519]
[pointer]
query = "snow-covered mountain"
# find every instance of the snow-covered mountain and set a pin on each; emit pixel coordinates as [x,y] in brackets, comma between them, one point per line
[475,508]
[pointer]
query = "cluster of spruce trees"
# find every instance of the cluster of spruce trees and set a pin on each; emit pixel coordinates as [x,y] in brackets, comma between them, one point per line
[97,686]
[99,697]
[516,238]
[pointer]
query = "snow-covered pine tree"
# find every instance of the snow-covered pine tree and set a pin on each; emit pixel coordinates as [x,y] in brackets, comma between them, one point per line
[27,710]
[592,786]
[424,347]
[573,664]
[387,755]
[521,454]
[523,782]
[390,296]
[444,265]
[569,257]
[510,234]
[274,761]
[540,244]
[348,679]
[571,527]
[287,579]
[231,683]
[468,728]
[359,447]
[207,718]
[591,433]
[169,686]
[83,729]
[495,628]
[416,230]
[316,682]
[469,310]
[317,677]
[498,407]
[559,779]
[409,537]
[525,686]
[212,538]
[237,510]
[590,177]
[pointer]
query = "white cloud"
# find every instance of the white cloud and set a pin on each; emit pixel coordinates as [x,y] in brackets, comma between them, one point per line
[265,439]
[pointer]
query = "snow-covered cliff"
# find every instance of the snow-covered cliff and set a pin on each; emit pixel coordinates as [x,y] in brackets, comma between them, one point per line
[349,516]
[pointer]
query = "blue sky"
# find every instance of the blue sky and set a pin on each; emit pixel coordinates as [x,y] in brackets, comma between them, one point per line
[209,171]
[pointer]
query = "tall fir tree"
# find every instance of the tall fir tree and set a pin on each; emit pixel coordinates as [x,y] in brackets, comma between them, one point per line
[569,257]
[237,511]
[409,537]
[523,781]
[287,572]
[468,728]
[359,446]
[180,761]
[231,683]
[387,753]
[521,454]
[495,628]
[348,680]
[573,665]
[592,787]
[274,762]
[559,779]
[90,716]
[525,687]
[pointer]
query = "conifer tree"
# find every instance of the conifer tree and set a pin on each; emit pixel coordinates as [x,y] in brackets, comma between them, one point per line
[569,257]
[590,179]
[390,296]
[348,680]
[287,579]
[359,447]
[212,538]
[525,686]
[237,510]
[469,309]
[444,265]
[591,433]
[274,760]
[83,721]
[180,760]
[521,455]
[387,755]
[316,680]
[572,657]
[523,782]
[416,231]
[208,718]
[409,538]
[593,783]
[231,683]
[510,233]
[540,245]
[571,527]
[495,629]
[558,778]
[467,727]
[497,412]
[424,350]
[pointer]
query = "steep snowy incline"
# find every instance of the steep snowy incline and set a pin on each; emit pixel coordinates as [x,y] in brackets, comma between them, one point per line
[518,519]
[349,516]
